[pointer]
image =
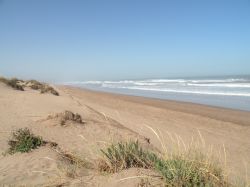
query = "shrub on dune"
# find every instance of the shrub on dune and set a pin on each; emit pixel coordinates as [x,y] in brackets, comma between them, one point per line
[48,89]
[33,84]
[14,83]
[24,141]
[43,87]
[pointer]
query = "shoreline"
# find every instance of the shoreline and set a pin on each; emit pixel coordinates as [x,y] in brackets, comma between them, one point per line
[241,117]
[231,92]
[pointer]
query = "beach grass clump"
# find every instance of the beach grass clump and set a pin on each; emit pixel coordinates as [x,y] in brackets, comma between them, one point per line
[124,155]
[14,83]
[175,170]
[179,171]
[24,141]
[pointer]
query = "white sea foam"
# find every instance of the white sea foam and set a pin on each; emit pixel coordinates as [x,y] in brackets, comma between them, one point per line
[119,82]
[82,82]
[167,80]
[226,87]
[238,85]
[161,81]
[147,83]
[184,91]
[229,92]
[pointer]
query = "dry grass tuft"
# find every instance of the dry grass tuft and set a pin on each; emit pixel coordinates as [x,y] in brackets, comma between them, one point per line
[66,116]
[71,164]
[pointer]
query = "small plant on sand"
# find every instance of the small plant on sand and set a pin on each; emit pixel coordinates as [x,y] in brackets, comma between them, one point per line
[14,83]
[24,141]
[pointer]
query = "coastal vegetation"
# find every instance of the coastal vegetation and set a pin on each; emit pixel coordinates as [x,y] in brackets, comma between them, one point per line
[19,84]
[190,168]
[193,169]
[175,170]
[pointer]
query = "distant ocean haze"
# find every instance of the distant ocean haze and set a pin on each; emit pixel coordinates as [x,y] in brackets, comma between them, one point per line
[230,92]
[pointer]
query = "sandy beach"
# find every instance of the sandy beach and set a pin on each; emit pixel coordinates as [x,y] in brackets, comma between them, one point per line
[112,117]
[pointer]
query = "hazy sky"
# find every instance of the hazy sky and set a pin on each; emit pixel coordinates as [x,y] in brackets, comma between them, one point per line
[70,40]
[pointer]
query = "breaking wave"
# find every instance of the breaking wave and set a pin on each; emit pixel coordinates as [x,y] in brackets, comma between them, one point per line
[226,86]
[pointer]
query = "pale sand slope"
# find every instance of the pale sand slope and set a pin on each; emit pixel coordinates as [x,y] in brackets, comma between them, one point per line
[41,167]
[108,117]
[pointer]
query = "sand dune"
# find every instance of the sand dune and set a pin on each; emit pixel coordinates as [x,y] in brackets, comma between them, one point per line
[108,118]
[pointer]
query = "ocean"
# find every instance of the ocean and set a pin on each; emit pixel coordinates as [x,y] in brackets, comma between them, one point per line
[228,92]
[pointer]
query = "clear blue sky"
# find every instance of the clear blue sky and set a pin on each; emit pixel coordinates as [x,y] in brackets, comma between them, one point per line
[59,40]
